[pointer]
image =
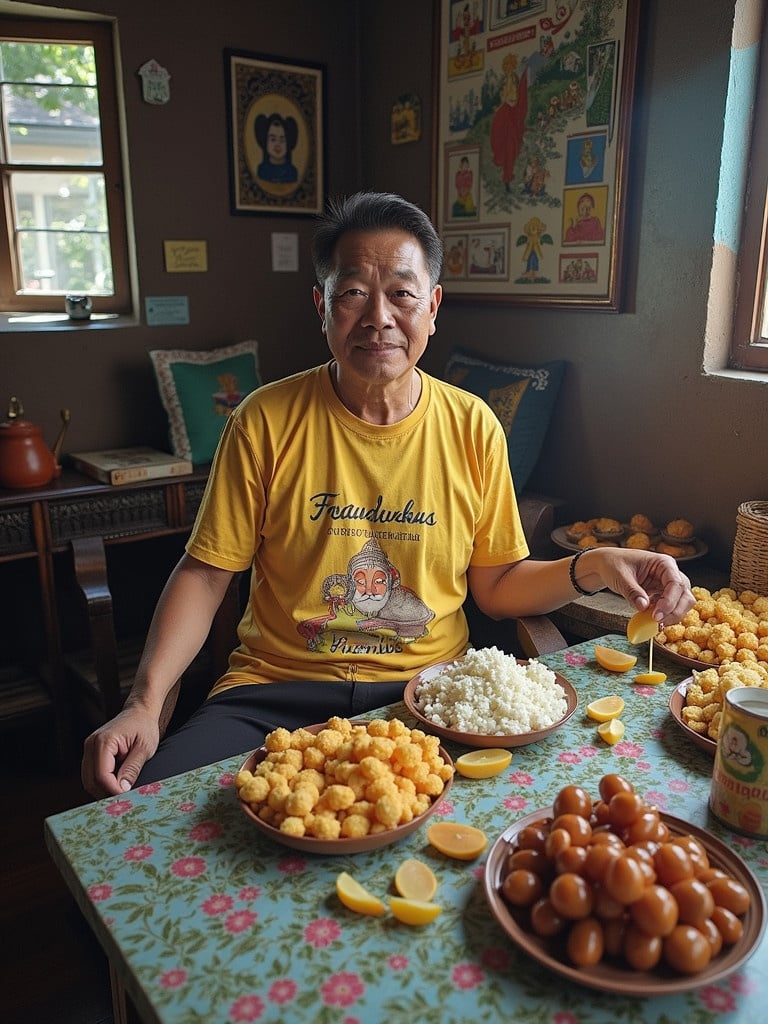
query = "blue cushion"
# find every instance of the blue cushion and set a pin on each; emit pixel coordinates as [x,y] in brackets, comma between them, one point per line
[199,389]
[522,397]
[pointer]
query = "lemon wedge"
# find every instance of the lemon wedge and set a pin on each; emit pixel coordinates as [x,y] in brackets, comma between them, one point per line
[605,708]
[482,764]
[614,661]
[462,842]
[641,627]
[356,897]
[611,731]
[414,880]
[413,911]
[651,678]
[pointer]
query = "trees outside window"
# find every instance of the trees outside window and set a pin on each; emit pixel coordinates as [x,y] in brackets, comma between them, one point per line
[62,168]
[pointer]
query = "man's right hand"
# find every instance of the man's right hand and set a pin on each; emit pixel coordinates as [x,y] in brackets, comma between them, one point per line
[116,752]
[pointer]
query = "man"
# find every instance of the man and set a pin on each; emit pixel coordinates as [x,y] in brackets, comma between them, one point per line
[365,496]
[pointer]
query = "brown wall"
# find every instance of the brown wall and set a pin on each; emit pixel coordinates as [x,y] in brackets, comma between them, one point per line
[180,178]
[639,427]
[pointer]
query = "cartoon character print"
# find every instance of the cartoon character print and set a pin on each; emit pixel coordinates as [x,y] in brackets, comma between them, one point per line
[735,746]
[369,598]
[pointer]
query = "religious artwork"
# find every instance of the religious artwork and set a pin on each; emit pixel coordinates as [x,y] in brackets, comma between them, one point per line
[275,115]
[533,130]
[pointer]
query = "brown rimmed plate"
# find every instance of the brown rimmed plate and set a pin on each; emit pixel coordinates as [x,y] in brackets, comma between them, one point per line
[474,739]
[681,659]
[311,844]
[608,975]
[676,705]
[558,537]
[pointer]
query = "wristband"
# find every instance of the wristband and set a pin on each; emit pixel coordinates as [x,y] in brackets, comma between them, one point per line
[572,575]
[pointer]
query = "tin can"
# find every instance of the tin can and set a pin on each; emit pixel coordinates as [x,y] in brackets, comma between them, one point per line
[739,794]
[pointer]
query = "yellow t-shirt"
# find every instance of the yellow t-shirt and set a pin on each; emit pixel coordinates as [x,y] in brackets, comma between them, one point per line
[359,536]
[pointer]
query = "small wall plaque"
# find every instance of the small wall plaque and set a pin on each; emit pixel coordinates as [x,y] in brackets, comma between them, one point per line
[185,257]
[155,82]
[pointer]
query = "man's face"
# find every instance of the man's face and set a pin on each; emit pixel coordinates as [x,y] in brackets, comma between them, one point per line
[378,309]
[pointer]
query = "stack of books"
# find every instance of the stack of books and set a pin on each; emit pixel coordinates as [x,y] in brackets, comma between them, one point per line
[127,465]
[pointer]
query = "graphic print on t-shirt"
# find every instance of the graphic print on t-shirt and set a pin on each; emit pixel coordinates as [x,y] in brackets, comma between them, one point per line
[368,598]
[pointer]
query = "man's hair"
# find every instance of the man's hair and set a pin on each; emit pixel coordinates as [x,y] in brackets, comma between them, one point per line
[373,211]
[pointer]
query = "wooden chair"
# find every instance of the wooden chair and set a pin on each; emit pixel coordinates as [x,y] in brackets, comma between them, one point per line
[106,673]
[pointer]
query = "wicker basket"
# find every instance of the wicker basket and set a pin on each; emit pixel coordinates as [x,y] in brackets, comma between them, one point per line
[749,570]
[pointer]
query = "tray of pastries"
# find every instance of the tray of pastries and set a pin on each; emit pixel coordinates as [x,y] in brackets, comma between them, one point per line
[675,537]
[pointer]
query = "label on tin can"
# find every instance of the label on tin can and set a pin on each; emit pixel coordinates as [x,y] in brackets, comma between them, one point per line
[739,793]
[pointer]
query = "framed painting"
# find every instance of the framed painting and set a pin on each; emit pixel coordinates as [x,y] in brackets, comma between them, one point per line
[276,121]
[532,136]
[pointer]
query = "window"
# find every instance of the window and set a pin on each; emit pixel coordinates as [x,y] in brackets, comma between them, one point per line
[61,166]
[749,349]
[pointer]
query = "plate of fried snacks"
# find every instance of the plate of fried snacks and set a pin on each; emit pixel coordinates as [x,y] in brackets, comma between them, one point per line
[723,626]
[677,911]
[343,786]
[676,537]
[696,703]
[691,719]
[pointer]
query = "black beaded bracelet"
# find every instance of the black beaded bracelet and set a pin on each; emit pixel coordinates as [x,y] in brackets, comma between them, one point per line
[572,574]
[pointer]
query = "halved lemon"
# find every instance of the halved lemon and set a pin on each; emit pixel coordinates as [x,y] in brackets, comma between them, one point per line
[462,842]
[650,678]
[605,708]
[611,731]
[356,897]
[413,911]
[414,880]
[482,764]
[641,627]
[613,660]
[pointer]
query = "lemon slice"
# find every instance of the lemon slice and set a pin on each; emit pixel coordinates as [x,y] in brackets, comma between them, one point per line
[413,911]
[641,627]
[482,764]
[611,731]
[614,661]
[462,842]
[605,708]
[415,881]
[651,678]
[356,897]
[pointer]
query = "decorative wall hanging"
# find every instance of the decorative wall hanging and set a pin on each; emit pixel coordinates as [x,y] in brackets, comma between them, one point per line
[275,117]
[533,130]
[406,119]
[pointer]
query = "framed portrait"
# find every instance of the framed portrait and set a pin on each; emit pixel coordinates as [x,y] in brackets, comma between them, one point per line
[276,123]
[532,136]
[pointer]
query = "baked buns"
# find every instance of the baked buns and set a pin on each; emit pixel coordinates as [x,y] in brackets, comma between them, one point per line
[640,540]
[679,530]
[641,524]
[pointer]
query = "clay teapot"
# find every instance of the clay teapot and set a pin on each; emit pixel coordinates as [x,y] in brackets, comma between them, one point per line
[25,459]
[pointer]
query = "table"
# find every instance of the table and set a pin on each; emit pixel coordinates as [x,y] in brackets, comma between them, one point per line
[203,919]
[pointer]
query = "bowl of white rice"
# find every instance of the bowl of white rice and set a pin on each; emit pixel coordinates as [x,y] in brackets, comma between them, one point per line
[490,699]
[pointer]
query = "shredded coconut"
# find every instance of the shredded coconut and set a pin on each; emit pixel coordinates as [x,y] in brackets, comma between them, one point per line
[489,693]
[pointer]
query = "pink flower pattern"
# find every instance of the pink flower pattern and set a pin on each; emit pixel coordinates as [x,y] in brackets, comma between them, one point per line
[322,932]
[173,979]
[246,1008]
[397,962]
[150,788]
[282,991]
[467,975]
[204,831]
[342,989]
[98,893]
[118,807]
[240,921]
[138,853]
[188,867]
[217,904]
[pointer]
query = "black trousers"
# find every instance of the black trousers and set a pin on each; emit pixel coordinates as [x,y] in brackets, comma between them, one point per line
[237,720]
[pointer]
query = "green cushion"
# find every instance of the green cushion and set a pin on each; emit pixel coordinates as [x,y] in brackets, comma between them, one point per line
[200,389]
[522,397]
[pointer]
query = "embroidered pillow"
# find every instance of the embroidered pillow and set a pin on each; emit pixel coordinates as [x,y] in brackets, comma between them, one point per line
[200,389]
[522,397]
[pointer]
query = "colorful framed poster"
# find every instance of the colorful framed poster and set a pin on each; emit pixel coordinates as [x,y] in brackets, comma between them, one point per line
[532,138]
[276,119]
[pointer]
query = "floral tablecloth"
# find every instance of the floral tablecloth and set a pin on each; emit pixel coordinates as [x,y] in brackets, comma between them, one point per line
[205,920]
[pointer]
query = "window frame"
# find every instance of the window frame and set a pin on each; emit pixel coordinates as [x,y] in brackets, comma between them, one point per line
[98,34]
[749,349]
